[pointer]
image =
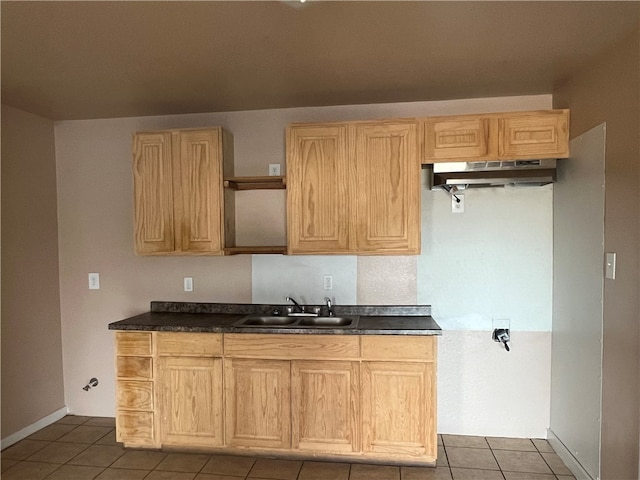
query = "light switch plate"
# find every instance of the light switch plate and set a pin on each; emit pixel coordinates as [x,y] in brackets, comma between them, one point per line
[188,284]
[94,281]
[610,266]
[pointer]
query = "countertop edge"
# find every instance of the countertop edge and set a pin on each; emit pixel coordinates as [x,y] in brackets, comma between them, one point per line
[191,317]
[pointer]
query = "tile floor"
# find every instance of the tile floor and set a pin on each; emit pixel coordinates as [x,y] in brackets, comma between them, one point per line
[84,448]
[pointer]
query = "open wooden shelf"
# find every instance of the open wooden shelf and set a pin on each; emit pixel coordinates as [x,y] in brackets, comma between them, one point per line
[255,183]
[255,250]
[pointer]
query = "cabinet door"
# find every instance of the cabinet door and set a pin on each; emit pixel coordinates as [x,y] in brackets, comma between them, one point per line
[153,177]
[201,201]
[542,134]
[257,403]
[191,395]
[325,413]
[388,188]
[457,139]
[319,183]
[398,409]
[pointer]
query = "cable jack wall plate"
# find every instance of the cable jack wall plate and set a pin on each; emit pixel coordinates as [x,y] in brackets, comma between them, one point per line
[457,203]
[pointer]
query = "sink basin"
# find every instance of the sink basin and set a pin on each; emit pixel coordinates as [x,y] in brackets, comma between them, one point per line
[329,322]
[266,321]
[297,322]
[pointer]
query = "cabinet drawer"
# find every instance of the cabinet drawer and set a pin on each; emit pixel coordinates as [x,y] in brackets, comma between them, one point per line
[134,427]
[392,347]
[135,395]
[292,346]
[133,343]
[189,344]
[135,367]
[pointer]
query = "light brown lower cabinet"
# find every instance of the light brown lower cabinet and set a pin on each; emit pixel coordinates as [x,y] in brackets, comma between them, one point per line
[135,393]
[329,396]
[257,405]
[191,401]
[325,406]
[396,408]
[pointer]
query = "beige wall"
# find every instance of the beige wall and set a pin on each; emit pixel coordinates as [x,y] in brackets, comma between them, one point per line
[608,91]
[32,386]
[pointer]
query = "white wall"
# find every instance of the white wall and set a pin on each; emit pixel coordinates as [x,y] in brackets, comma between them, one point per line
[96,234]
[494,261]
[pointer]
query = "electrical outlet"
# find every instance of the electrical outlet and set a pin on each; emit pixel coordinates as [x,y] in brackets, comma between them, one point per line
[94,281]
[274,169]
[328,282]
[188,284]
[457,203]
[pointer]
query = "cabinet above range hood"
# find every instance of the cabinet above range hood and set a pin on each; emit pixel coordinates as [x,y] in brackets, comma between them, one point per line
[493,173]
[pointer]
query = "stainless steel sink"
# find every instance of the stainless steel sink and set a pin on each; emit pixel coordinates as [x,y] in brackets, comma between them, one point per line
[268,321]
[340,322]
[265,321]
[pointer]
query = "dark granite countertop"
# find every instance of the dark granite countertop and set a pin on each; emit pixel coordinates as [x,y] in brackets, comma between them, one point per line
[222,317]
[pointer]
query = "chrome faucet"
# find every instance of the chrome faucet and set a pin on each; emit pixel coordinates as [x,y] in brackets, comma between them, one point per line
[329,308]
[289,299]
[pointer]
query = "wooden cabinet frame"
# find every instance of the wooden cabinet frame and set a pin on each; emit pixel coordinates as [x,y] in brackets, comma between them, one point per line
[136,420]
[353,188]
[526,135]
[178,191]
[345,397]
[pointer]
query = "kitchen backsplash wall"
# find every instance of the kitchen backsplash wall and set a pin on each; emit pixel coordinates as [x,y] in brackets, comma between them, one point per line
[492,260]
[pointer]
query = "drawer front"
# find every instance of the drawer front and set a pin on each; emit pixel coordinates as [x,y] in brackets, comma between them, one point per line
[135,367]
[133,343]
[135,395]
[398,347]
[292,346]
[189,344]
[135,427]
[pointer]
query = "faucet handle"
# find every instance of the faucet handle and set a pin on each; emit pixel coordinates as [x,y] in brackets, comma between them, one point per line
[329,307]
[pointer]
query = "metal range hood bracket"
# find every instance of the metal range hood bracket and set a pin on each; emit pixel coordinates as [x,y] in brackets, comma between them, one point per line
[495,178]
[493,174]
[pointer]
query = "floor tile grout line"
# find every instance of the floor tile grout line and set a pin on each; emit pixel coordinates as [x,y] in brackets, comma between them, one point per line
[246,477]
[495,458]
[79,453]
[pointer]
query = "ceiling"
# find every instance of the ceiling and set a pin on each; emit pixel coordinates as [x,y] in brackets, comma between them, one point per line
[78,60]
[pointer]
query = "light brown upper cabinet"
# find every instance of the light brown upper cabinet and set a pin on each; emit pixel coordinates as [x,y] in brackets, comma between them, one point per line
[451,138]
[496,136]
[531,135]
[178,185]
[353,188]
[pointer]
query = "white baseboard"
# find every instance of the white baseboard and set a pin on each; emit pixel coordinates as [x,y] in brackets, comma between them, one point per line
[567,457]
[34,427]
